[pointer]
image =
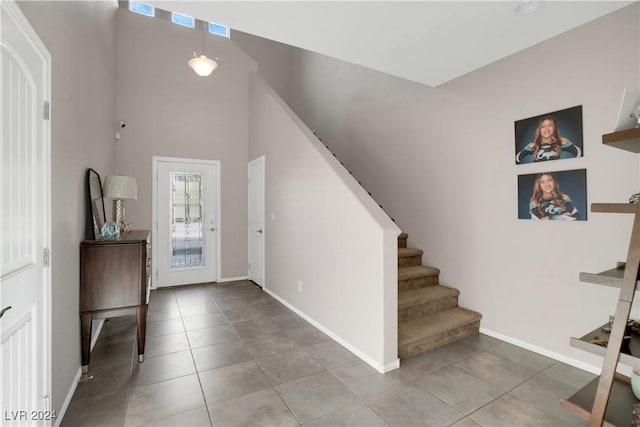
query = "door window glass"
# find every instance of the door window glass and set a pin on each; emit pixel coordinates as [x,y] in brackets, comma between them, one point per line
[187,220]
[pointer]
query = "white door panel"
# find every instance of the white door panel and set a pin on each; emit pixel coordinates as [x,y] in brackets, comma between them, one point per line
[256,221]
[25,217]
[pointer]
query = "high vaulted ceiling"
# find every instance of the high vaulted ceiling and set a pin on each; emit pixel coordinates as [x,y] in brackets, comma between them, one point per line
[430,42]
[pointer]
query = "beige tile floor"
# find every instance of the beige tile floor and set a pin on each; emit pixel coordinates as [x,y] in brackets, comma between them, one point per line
[230,355]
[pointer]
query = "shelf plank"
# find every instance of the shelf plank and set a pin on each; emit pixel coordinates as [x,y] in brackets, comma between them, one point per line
[619,410]
[614,207]
[611,278]
[584,343]
[628,140]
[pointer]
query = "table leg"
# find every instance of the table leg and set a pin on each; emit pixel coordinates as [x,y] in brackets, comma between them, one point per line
[85,340]
[142,330]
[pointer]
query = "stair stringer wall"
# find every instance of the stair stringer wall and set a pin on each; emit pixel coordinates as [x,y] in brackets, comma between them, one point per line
[323,232]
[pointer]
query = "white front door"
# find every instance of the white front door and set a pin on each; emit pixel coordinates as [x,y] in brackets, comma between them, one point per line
[256,221]
[25,218]
[186,215]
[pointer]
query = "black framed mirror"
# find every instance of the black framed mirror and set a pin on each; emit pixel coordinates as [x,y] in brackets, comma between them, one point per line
[95,206]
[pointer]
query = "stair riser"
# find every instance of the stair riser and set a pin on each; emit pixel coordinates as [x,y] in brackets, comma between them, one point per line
[409,261]
[429,343]
[418,282]
[402,243]
[425,309]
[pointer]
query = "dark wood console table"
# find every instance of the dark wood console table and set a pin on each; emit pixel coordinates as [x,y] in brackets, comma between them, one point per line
[115,280]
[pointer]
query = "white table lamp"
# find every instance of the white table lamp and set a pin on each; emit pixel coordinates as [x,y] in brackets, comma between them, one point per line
[120,188]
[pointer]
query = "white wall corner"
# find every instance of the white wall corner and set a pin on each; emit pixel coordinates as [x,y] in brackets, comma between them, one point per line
[389,265]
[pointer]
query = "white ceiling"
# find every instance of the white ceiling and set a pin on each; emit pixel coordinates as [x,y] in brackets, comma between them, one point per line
[430,42]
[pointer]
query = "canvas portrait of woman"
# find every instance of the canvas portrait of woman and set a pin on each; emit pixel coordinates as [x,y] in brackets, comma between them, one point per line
[550,136]
[553,196]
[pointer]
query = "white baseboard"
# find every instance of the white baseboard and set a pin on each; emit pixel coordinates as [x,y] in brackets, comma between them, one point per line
[74,384]
[67,399]
[382,368]
[553,355]
[391,366]
[233,279]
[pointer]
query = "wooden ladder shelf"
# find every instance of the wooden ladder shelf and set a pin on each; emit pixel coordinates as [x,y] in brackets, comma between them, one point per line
[592,401]
[623,310]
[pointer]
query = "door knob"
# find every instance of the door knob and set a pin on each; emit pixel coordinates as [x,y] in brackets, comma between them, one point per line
[259,231]
[4,310]
[212,229]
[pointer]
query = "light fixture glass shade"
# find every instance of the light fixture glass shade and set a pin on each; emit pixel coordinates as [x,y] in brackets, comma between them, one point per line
[526,7]
[120,187]
[202,65]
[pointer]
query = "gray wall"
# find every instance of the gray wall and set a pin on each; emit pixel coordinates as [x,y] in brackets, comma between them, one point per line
[273,59]
[170,111]
[441,162]
[81,39]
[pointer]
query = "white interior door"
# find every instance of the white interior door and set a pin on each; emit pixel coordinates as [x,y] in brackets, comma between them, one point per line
[25,217]
[186,194]
[256,220]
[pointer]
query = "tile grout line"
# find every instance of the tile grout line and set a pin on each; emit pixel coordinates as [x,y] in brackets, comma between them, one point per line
[180,376]
[242,340]
[193,360]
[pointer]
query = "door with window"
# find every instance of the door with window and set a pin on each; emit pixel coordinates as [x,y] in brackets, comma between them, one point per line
[186,213]
[25,221]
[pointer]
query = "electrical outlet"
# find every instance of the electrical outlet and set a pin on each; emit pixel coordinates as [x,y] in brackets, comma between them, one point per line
[299,285]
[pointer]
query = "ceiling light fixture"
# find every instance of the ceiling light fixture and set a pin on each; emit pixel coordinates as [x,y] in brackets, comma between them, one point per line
[526,7]
[202,65]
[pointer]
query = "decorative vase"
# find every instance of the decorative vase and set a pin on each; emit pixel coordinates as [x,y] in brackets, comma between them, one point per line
[110,231]
[635,382]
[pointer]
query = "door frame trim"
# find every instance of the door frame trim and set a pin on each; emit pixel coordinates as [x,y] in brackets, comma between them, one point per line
[154,211]
[262,160]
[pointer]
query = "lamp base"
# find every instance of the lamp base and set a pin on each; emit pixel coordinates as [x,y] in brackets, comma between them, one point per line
[118,215]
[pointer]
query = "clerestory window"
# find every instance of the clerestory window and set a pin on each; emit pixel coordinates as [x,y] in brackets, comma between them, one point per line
[185,20]
[142,8]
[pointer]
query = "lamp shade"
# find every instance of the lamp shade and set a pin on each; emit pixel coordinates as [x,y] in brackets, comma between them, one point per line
[202,65]
[120,187]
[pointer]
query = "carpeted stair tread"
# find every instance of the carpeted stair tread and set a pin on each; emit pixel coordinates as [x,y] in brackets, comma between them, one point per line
[405,273]
[428,313]
[407,252]
[414,297]
[435,324]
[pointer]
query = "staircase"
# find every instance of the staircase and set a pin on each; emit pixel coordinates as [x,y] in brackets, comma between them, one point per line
[428,313]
